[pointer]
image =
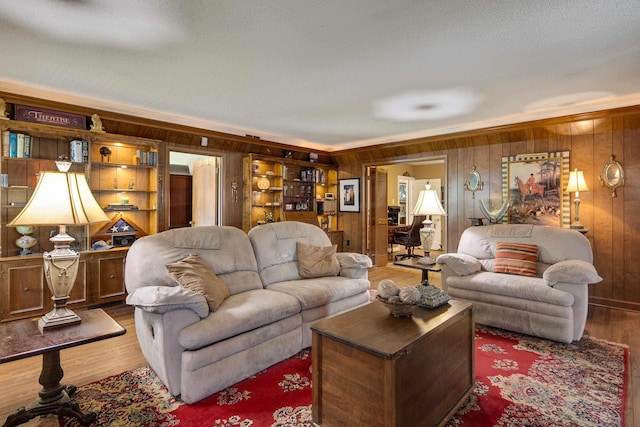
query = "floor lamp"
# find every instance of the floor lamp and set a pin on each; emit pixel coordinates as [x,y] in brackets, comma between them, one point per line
[60,199]
[428,204]
[576,185]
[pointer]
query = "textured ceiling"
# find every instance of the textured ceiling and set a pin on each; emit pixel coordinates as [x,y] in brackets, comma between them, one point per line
[326,74]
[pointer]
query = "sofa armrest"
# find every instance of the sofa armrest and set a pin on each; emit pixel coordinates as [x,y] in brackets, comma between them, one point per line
[354,265]
[571,271]
[460,264]
[161,299]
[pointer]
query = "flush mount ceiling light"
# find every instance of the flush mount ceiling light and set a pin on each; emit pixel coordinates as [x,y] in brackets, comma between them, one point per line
[133,24]
[427,105]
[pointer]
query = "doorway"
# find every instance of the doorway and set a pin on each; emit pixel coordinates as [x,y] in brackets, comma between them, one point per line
[404,180]
[194,190]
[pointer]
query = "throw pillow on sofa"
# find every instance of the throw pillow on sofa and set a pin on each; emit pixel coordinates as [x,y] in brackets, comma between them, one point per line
[194,274]
[317,261]
[516,258]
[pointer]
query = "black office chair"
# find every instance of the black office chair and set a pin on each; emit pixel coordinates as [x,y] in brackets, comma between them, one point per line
[410,239]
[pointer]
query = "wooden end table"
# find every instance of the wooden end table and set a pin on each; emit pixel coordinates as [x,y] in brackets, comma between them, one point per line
[372,369]
[22,338]
[413,263]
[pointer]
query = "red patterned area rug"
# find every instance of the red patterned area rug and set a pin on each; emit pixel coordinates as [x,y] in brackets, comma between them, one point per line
[520,381]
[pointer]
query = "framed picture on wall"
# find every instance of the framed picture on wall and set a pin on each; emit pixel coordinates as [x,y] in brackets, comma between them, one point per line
[535,185]
[349,190]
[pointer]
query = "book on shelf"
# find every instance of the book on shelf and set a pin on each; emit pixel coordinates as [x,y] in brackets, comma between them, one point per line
[79,151]
[17,145]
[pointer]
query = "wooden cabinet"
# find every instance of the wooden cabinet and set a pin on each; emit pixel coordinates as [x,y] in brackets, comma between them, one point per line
[123,177]
[24,292]
[125,181]
[20,176]
[274,187]
[108,276]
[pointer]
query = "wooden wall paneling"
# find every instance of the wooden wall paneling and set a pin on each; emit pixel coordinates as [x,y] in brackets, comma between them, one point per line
[617,212]
[582,158]
[540,139]
[602,232]
[453,232]
[232,208]
[631,190]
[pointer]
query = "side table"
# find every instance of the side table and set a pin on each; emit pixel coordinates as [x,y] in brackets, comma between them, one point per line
[413,263]
[22,339]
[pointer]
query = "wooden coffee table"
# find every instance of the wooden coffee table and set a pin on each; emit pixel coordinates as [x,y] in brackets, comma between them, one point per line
[372,369]
[413,263]
[22,338]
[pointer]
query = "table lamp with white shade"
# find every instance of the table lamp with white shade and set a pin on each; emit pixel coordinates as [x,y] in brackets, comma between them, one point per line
[60,199]
[428,204]
[576,185]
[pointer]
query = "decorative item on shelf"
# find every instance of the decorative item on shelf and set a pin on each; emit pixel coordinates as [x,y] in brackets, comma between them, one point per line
[105,152]
[96,124]
[26,242]
[121,206]
[263,183]
[313,157]
[121,231]
[494,210]
[3,110]
[60,199]
[428,204]
[132,183]
[576,185]
[473,182]
[612,175]
[268,217]
[288,154]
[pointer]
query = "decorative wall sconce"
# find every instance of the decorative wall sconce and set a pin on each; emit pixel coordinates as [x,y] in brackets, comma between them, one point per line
[473,182]
[612,175]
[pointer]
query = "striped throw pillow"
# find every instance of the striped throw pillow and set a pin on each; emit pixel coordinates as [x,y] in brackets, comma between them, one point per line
[516,258]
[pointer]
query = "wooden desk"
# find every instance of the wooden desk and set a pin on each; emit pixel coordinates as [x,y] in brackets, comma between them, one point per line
[372,369]
[22,338]
[413,263]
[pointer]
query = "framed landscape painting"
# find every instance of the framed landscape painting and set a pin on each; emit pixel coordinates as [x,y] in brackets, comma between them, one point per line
[535,185]
[349,190]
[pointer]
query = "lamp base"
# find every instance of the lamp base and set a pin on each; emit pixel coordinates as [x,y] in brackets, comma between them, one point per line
[58,317]
[426,260]
[576,225]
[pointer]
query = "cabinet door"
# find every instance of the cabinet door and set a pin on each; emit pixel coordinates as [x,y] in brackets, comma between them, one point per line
[25,292]
[24,289]
[108,277]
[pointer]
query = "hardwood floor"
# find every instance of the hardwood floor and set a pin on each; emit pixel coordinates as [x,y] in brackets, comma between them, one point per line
[92,362]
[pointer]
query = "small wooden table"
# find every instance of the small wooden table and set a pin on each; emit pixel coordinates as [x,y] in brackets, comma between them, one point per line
[22,338]
[413,263]
[372,369]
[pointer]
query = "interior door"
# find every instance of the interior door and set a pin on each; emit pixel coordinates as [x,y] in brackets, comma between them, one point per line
[205,192]
[378,221]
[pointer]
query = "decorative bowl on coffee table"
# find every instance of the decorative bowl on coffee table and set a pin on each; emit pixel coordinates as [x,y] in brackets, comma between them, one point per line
[398,309]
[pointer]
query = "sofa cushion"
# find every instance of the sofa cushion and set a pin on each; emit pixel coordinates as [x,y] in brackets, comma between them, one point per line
[194,274]
[317,261]
[510,286]
[321,291]
[571,271]
[516,258]
[461,264]
[240,313]
[160,299]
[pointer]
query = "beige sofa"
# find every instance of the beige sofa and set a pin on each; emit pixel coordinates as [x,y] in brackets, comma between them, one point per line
[197,352]
[552,304]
